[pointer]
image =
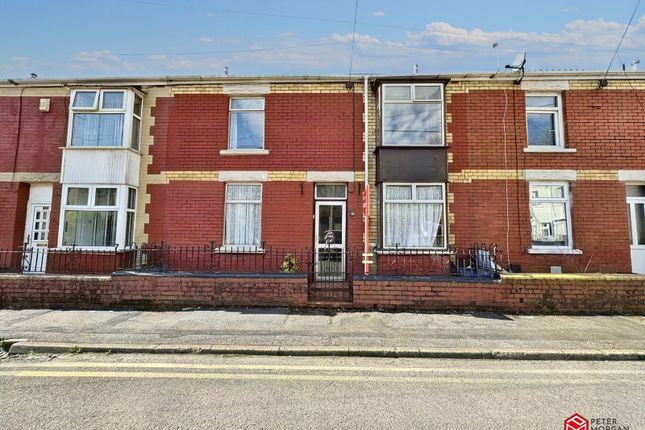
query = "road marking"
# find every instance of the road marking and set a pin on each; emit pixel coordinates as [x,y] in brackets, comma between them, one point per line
[298,377]
[196,366]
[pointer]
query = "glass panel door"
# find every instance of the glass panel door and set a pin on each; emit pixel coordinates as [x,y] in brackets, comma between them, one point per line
[330,241]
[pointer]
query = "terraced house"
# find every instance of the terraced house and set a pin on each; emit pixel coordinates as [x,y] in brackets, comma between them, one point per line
[378,175]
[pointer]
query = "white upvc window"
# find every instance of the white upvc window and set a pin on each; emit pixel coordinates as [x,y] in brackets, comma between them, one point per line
[544,124]
[414,216]
[97,216]
[243,215]
[412,114]
[246,123]
[550,208]
[105,118]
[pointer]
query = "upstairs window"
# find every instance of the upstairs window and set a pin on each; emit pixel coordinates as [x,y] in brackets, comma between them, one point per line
[544,121]
[105,118]
[246,127]
[412,114]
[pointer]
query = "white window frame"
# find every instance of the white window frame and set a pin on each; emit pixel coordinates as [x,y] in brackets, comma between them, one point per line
[317,197]
[558,121]
[242,248]
[231,110]
[413,100]
[567,201]
[121,208]
[127,109]
[414,185]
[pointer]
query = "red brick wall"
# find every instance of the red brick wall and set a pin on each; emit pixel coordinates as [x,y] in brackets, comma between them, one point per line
[41,134]
[13,211]
[606,127]
[192,213]
[598,217]
[508,295]
[513,295]
[302,132]
[148,292]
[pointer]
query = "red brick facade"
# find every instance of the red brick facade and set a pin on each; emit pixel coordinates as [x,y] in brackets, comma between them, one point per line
[607,130]
[309,129]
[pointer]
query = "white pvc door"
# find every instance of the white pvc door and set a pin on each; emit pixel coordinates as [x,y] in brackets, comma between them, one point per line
[330,241]
[35,254]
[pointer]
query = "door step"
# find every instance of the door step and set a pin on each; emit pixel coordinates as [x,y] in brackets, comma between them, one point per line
[330,292]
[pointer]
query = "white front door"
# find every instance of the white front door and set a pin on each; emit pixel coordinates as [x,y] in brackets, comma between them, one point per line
[636,216]
[35,253]
[330,241]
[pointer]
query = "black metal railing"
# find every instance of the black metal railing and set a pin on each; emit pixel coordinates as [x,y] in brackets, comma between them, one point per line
[480,261]
[321,265]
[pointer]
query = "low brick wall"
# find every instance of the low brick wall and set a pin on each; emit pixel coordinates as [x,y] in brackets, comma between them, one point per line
[150,291]
[528,293]
[567,294]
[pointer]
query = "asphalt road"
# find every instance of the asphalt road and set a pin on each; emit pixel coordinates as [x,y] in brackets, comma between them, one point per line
[90,391]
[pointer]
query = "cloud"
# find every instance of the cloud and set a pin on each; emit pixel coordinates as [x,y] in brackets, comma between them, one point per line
[583,34]
[19,60]
[158,57]
[570,10]
[205,39]
[361,38]
[103,61]
[378,13]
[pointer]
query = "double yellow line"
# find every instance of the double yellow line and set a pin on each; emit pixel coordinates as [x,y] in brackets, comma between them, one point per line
[285,373]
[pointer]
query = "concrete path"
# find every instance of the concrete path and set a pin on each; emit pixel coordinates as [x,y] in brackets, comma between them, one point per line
[284,331]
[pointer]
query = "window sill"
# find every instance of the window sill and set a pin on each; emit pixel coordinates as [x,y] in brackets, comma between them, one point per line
[101,148]
[244,152]
[238,249]
[412,251]
[554,251]
[549,150]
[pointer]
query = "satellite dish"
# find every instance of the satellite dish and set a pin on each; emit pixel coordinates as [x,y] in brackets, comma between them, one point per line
[518,66]
[518,62]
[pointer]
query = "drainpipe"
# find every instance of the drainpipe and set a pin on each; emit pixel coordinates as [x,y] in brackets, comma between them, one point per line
[366,188]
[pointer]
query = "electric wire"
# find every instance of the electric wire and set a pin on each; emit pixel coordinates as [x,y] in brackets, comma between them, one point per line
[638,99]
[629,23]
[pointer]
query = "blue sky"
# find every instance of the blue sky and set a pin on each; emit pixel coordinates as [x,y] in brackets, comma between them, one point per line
[65,38]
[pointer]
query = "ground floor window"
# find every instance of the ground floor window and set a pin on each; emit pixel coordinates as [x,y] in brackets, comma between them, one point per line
[243,219]
[414,216]
[550,215]
[97,215]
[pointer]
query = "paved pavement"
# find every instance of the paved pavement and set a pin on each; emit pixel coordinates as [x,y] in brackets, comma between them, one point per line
[99,391]
[290,330]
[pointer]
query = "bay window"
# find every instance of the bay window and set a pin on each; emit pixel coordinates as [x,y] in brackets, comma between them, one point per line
[414,216]
[105,118]
[412,114]
[97,216]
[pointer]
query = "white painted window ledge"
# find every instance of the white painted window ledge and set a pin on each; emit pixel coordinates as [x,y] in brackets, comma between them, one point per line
[548,149]
[239,249]
[244,152]
[555,251]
